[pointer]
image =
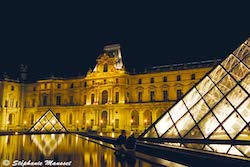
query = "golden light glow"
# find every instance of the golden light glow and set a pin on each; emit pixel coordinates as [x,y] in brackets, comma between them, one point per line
[24,122]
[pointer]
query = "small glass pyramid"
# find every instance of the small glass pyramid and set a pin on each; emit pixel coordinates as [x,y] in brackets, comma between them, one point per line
[48,123]
[216,108]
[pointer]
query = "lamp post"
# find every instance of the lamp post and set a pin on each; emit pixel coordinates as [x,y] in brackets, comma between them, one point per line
[101,124]
[113,129]
[24,125]
[87,122]
[145,122]
[77,125]
[131,121]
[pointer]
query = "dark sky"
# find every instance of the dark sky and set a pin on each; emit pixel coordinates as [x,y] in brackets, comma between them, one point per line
[66,38]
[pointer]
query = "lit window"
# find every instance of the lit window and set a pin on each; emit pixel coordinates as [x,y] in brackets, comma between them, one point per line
[58,100]
[193,77]
[45,100]
[139,96]
[165,79]
[165,95]
[92,98]
[116,97]
[152,96]
[71,100]
[152,80]
[179,93]
[104,97]
[105,68]
[140,81]
[178,78]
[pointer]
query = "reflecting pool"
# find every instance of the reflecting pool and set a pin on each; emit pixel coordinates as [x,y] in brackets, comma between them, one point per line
[67,149]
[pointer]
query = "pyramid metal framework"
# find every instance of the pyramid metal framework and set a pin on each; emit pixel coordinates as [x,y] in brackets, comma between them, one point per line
[47,123]
[216,108]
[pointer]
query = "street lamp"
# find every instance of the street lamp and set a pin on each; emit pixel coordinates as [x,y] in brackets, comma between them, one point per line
[101,124]
[131,121]
[87,122]
[145,122]
[77,124]
[24,123]
[113,129]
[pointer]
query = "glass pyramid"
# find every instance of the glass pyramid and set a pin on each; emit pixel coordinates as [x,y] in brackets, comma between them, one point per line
[216,108]
[48,123]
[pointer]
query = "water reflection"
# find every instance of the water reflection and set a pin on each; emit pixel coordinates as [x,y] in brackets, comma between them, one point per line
[61,148]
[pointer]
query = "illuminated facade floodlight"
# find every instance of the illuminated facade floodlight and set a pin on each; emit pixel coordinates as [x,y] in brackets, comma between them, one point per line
[216,108]
[48,123]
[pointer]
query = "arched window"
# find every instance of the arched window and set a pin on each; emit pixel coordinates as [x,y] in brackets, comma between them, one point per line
[11,117]
[70,118]
[104,97]
[32,119]
[135,119]
[147,118]
[104,119]
[105,67]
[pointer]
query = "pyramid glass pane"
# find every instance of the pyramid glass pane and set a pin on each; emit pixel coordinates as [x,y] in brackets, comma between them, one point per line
[178,111]
[185,124]
[151,133]
[205,85]
[239,71]
[48,123]
[246,83]
[217,74]
[234,151]
[230,62]
[226,84]
[246,61]
[234,124]
[195,133]
[208,124]
[163,125]
[236,96]
[219,134]
[217,108]
[171,133]
[244,149]
[222,110]
[199,110]
[194,95]
[244,110]
[213,96]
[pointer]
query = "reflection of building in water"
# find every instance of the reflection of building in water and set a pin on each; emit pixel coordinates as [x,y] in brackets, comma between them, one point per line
[47,143]
[57,147]
[107,97]
[218,107]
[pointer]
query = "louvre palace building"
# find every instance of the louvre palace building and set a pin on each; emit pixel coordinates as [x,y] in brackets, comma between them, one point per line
[108,98]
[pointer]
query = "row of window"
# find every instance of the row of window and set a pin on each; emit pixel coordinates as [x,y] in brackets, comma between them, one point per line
[152,80]
[10,103]
[164,79]
[104,98]
[164,95]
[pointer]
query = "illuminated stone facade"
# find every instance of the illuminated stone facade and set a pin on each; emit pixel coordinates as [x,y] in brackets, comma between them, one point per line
[107,98]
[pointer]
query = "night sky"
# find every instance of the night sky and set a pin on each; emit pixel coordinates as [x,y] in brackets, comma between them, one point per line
[65,39]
